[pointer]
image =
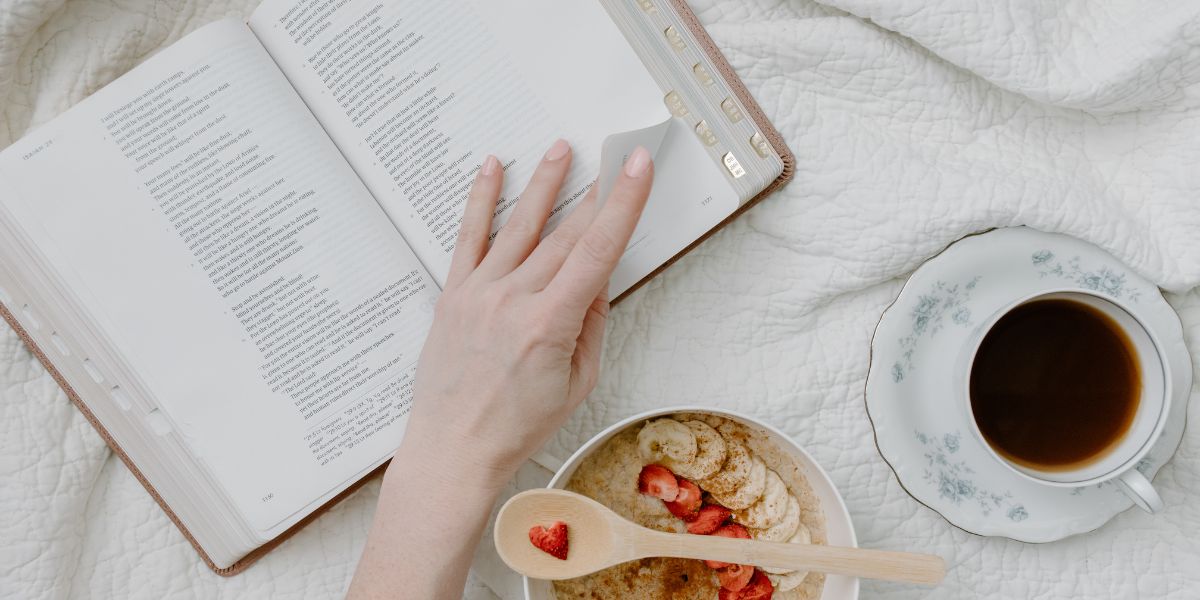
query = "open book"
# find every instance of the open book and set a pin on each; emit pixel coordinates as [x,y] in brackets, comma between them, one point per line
[229,256]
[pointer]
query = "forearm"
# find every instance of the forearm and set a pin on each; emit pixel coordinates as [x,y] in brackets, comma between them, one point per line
[515,346]
[433,506]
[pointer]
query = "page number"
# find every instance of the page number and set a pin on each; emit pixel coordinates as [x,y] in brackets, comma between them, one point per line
[269,497]
[37,150]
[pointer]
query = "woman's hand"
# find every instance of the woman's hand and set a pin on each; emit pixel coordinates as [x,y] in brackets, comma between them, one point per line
[515,347]
[517,337]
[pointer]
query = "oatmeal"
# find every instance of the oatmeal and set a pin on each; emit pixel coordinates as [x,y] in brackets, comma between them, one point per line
[749,486]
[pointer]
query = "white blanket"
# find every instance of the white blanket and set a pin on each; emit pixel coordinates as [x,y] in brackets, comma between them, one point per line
[914,123]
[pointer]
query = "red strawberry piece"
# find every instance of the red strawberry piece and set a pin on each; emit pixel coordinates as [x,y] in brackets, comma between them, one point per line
[730,530]
[687,504]
[759,588]
[552,541]
[658,481]
[710,518]
[735,577]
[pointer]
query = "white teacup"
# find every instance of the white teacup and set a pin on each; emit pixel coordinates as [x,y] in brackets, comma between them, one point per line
[1117,463]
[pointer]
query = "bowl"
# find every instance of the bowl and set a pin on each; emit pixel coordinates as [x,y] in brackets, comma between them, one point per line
[839,528]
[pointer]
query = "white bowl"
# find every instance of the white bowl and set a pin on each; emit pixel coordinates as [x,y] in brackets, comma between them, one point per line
[838,527]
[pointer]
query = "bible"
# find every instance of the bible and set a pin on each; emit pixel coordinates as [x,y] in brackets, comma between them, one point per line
[229,257]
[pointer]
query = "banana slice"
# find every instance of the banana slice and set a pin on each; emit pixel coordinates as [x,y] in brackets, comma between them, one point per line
[733,474]
[750,491]
[785,528]
[667,440]
[710,453]
[770,509]
[788,582]
[728,429]
[802,536]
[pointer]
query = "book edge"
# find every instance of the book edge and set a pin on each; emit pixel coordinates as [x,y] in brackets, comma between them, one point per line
[77,400]
[756,114]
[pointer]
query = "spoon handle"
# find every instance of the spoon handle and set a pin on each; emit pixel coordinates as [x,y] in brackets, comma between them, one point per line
[856,562]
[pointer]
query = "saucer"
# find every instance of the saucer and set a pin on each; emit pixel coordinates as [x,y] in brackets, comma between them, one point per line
[916,409]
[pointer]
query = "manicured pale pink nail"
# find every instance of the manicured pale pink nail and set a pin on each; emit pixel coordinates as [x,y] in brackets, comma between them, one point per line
[490,166]
[638,163]
[558,150]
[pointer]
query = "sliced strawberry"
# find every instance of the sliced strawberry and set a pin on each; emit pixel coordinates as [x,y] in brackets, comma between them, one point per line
[658,481]
[687,504]
[759,588]
[552,541]
[710,518]
[732,530]
[735,577]
[729,530]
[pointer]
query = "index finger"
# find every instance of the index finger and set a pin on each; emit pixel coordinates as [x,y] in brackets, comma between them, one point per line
[476,227]
[591,262]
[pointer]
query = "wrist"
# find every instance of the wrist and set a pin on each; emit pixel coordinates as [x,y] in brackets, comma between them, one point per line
[440,460]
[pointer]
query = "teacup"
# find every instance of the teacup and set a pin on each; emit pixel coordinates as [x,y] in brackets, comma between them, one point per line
[1118,462]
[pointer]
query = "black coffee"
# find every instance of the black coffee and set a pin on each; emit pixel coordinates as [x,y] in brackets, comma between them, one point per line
[1055,385]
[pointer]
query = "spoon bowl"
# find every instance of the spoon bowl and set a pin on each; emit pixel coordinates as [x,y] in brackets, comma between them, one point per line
[591,534]
[599,538]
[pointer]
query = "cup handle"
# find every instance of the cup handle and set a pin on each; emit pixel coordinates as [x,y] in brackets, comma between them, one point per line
[1138,488]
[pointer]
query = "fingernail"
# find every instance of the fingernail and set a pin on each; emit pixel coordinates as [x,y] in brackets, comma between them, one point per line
[558,150]
[490,165]
[638,163]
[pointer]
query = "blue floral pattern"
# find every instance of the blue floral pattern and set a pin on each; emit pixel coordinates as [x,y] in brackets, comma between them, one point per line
[943,301]
[1101,279]
[954,479]
[914,382]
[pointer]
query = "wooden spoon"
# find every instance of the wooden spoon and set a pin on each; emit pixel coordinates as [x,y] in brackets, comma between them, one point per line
[600,538]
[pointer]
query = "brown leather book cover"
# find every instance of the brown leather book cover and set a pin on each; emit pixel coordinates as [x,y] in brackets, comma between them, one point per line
[726,72]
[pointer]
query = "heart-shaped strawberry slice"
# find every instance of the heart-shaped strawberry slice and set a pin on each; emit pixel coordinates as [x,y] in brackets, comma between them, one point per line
[552,541]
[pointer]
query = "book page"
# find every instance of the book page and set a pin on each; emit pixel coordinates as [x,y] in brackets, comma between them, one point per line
[689,198]
[201,217]
[416,94]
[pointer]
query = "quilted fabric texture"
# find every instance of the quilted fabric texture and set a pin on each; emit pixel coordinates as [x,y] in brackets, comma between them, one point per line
[914,123]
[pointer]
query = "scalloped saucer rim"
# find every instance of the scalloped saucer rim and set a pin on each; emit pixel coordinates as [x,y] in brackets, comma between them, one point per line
[942,466]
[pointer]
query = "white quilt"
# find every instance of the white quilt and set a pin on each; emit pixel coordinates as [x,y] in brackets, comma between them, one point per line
[914,122]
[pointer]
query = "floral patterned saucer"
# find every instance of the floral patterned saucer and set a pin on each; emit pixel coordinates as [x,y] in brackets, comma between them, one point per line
[920,420]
